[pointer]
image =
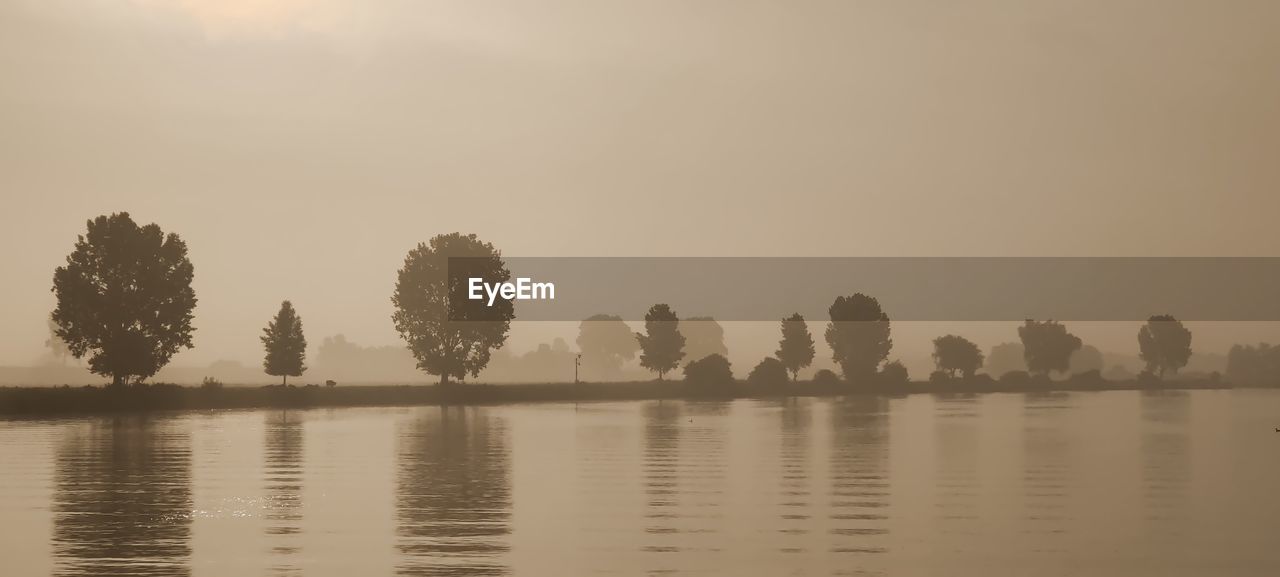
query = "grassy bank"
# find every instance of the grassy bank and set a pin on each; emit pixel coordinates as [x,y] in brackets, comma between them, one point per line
[43,401]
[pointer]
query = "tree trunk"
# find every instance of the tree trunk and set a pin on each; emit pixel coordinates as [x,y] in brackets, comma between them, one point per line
[284,382]
[444,379]
[117,380]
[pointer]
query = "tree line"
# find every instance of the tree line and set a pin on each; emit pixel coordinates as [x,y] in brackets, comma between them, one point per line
[125,301]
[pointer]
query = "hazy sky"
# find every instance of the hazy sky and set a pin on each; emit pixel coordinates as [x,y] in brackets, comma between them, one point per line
[301,147]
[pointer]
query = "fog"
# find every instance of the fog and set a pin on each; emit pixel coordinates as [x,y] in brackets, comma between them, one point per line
[301,148]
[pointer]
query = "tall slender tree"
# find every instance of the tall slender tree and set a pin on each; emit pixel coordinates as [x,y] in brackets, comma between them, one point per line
[663,346]
[286,346]
[125,298]
[795,350]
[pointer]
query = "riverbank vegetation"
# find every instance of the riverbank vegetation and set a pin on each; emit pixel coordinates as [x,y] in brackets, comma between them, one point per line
[125,301]
[52,401]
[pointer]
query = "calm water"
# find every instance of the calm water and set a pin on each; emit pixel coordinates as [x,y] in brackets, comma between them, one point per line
[1122,483]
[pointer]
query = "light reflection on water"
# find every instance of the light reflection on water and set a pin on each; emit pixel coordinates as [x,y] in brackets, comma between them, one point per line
[1119,483]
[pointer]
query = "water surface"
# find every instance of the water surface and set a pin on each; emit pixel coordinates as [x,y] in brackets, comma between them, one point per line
[1115,483]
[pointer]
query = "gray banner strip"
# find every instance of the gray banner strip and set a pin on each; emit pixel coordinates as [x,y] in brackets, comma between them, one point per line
[908,288]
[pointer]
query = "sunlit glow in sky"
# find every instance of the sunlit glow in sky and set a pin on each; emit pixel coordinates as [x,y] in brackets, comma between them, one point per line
[230,17]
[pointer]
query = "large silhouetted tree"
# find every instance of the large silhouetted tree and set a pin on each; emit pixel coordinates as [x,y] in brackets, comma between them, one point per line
[449,334]
[286,346]
[795,350]
[606,343]
[1164,344]
[662,345]
[858,335]
[1047,346]
[125,297]
[953,354]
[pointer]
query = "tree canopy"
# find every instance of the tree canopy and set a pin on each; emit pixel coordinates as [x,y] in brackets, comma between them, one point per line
[125,298]
[606,343]
[795,350]
[285,345]
[1164,344]
[710,371]
[1047,346]
[662,345]
[450,335]
[768,372]
[703,336]
[1004,358]
[858,335]
[952,354]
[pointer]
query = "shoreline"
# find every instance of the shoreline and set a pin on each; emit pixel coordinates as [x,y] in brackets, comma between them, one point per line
[89,400]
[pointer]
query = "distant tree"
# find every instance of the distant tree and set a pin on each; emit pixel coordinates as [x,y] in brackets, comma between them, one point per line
[125,297]
[1254,365]
[450,335]
[1086,358]
[709,371]
[894,373]
[1164,344]
[825,377]
[952,354]
[768,372]
[1047,346]
[285,345]
[1006,357]
[858,335]
[606,343]
[663,345]
[57,347]
[795,350]
[703,336]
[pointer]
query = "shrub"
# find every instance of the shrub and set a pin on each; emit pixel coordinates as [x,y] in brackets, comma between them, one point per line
[825,377]
[894,373]
[939,377]
[1016,377]
[210,383]
[1089,376]
[710,371]
[769,372]
[980,378]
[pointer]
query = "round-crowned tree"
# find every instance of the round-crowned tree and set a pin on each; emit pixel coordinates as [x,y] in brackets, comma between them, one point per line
[711,371]
[769,372]
[449,334]
[606,343]
[1164,344]
[952,354]
[1047,346]
[125,298]
[858,335]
